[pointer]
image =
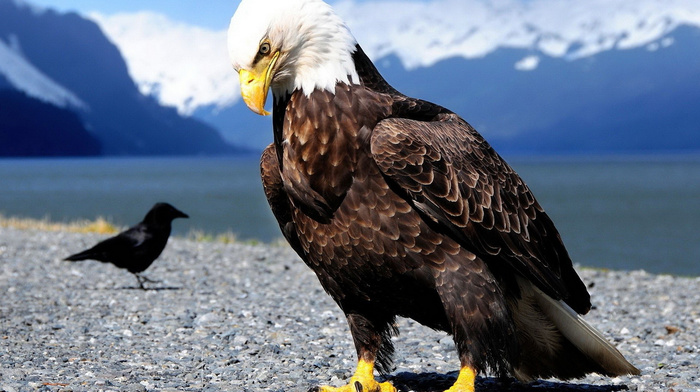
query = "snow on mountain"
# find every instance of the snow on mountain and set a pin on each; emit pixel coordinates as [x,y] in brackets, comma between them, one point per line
[422,34]
[187,67]
[22,75]
[182,65]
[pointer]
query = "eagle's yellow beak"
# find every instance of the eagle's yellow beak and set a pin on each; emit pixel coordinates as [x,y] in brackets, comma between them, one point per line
[255,84]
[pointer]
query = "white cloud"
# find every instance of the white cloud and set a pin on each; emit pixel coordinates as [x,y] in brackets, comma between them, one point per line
[184,66]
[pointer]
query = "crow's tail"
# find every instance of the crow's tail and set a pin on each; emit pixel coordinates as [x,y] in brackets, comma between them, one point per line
[85,255]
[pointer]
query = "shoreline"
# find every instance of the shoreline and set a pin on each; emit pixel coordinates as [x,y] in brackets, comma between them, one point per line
[106,227]
[242,317]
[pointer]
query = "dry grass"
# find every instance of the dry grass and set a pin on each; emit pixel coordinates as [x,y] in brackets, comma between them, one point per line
[201,236]
[103,226]
[99,225]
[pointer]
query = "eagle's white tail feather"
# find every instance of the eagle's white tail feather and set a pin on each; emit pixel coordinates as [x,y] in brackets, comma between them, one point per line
[582,335]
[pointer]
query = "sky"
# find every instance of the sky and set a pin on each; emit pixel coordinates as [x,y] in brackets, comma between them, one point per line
[213,14]
[216,14]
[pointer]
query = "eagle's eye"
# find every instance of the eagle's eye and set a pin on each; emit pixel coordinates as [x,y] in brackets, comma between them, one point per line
[264,49]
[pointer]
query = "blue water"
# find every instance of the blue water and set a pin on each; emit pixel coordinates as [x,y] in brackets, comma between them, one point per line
[219,195]
[634,213]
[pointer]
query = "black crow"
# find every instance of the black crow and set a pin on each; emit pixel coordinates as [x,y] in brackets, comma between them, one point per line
[136,248]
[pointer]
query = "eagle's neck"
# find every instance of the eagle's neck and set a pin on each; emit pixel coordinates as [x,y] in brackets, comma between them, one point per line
[357,68]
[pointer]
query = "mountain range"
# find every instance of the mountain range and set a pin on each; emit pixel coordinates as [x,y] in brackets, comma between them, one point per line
[533,76]
[61,72]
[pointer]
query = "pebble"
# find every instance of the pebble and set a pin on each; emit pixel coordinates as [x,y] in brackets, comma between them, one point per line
[237,317]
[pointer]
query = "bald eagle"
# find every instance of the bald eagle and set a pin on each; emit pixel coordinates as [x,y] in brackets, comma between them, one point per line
[402,209]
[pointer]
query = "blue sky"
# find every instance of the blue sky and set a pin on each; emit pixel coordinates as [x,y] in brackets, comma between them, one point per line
[214,14]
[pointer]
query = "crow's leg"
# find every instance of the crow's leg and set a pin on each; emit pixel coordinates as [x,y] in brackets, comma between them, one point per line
[143,279]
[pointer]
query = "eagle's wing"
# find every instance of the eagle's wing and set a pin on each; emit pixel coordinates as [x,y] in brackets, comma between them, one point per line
[277,197]
[464,189]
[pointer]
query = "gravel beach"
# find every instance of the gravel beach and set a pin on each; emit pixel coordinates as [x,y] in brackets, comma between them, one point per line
[254,318]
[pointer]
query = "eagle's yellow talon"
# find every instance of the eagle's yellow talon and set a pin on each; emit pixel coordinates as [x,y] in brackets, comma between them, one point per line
[362,381]
[357,386]
[465,381]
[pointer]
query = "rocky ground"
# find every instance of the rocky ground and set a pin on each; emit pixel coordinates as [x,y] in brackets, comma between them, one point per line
[254,318]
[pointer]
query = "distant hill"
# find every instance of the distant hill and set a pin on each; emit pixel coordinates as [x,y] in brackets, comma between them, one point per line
[32,128]
[66,61]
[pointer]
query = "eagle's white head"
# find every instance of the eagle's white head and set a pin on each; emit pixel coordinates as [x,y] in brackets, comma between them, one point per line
[289,45]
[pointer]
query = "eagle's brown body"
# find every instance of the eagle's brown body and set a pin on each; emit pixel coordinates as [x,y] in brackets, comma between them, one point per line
[402,209]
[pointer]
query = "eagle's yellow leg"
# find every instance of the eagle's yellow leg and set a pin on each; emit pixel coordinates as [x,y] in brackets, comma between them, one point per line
[362,381]
[465,381]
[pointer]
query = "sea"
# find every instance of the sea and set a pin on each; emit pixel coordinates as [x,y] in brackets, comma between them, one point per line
[621,213]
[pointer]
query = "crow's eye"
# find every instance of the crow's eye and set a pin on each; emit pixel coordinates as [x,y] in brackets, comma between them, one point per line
[264,49]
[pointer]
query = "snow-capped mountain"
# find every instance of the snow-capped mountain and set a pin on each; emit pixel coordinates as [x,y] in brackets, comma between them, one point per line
[550,76]
[23,76]
[51,60]
[514,68]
